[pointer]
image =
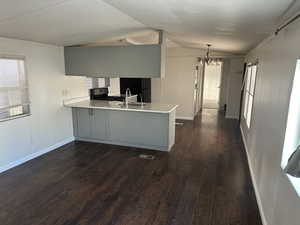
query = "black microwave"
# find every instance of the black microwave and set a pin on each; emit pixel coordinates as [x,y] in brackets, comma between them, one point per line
[98,93]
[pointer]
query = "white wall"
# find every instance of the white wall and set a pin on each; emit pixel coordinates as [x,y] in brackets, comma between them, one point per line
[178,85]
[264,140]
[50,122]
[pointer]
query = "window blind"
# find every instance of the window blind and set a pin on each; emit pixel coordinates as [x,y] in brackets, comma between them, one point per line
[14,96]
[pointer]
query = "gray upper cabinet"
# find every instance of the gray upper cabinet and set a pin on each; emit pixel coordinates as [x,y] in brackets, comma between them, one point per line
[115,61]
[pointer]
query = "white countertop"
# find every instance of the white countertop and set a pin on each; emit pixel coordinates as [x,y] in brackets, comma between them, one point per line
[115,105]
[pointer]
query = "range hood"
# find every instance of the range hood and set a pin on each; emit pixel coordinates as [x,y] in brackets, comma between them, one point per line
[116,61]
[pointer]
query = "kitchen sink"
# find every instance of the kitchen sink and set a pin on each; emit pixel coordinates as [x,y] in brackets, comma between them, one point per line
[132,104]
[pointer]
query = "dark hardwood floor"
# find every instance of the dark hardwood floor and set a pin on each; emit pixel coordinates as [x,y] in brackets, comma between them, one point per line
[204,180]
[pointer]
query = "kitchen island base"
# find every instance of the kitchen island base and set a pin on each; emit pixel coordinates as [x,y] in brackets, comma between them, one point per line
[140,129]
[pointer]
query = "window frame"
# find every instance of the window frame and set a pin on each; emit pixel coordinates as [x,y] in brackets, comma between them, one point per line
[28,104]
[247,92]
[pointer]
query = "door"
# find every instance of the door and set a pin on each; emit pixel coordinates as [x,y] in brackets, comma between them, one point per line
[212,85]
[200,84]
[242,92]
[198,87]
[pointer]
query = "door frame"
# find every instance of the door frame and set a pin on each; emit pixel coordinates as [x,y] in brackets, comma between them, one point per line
[196,89]
[202,82]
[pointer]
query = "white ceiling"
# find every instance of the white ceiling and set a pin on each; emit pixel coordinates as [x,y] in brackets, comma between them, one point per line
[64,22]
[229,25]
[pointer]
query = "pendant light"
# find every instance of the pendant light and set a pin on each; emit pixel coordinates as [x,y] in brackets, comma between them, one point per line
[207,58]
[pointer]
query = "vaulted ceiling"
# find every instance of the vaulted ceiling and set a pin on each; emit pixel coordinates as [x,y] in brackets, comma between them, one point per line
[232,25]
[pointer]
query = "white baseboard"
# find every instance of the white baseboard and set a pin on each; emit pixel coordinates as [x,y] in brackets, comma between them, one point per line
[36,154]
[259,202]
[184,118]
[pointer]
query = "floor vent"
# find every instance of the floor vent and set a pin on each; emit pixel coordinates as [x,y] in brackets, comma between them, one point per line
[148,157]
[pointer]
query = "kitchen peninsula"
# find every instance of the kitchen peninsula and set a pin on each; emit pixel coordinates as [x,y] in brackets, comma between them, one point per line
[150,126]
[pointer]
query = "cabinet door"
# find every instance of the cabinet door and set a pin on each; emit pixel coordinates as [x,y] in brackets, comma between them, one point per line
[115,61]
[84,123]
[148,129]
[99,124]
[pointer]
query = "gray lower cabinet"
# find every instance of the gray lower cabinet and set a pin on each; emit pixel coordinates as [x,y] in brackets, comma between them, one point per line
[99,124]
[128,128]
[84,123]
[144,129]
[90,123]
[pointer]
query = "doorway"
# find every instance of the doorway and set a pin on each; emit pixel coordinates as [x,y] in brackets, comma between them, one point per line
[212,85]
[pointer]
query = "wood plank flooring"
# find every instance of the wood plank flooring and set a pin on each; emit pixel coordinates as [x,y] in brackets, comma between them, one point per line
[204,180]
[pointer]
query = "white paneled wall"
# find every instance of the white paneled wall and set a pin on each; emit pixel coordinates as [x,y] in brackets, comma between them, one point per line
[50,123]
[277,57]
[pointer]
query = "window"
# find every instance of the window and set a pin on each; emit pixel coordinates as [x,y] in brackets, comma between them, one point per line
[89,83]
[96,82]
[250,79]
[292,132]
[14,98]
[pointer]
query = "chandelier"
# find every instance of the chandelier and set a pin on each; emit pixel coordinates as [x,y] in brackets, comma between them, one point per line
[207,58]
[210,60]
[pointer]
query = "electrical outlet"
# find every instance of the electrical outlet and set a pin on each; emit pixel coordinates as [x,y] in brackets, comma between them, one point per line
[65,92]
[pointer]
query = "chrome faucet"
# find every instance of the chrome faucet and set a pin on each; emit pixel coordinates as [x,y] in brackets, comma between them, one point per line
[141,97]
[127,95]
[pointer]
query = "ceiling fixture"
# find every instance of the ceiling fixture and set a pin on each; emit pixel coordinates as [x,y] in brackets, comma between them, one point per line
[211,60]
[207,58]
